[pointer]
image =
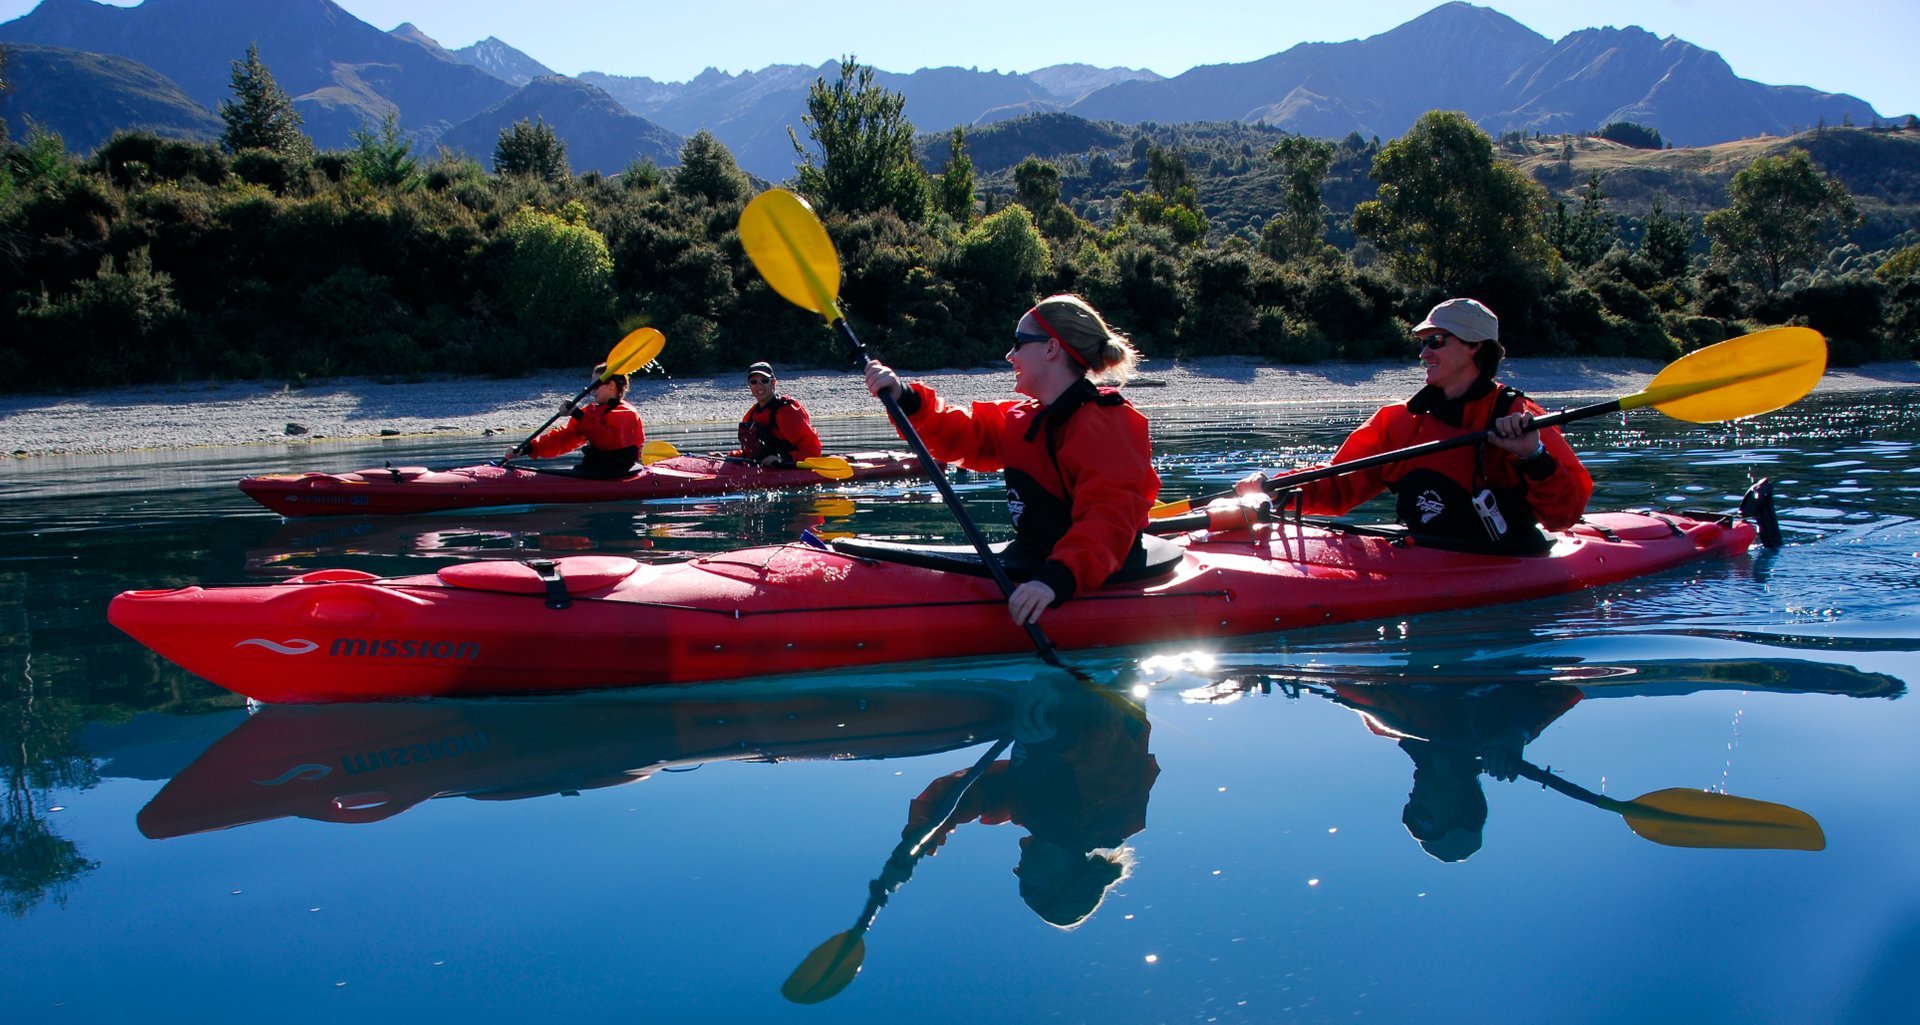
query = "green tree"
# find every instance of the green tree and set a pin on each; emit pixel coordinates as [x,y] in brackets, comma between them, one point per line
[559,278]
[260,116]
[1036,185]
[708,172]
[1297,229]
[1664,243]
[865,146]
[953,190]
[1782,208]
[531,149]
[1448,215]
[384,157]
[1167,172]
[1627,133]
[1584,236]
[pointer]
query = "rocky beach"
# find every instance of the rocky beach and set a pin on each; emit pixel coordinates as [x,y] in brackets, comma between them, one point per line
[242,413]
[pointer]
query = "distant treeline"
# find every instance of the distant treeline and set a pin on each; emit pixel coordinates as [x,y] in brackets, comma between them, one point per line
[259,257]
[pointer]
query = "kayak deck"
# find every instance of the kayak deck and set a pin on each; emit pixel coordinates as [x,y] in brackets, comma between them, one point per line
[416,489]
[588,622]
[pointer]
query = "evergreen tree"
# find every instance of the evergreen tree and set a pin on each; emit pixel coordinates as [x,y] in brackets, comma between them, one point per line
[531,149]
[1297,230]
[260,116]
[708,172]
[865,141]
[1584,237]
[1665,242]
[953,191]
[384,158]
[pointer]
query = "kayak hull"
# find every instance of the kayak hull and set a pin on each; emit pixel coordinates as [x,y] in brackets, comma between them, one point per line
[488,628]
[416,489]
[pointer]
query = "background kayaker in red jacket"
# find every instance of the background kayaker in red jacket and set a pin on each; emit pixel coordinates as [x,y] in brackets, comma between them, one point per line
[609,428]
[1077,459]
[1496,493]
[776,430]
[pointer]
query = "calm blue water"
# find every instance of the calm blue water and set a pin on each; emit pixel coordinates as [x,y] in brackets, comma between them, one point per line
[675,855]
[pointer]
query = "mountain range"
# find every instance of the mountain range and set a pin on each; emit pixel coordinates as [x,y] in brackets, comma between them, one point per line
[83,69]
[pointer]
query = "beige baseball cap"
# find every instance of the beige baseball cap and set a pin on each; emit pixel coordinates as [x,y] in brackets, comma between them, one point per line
[1465,319]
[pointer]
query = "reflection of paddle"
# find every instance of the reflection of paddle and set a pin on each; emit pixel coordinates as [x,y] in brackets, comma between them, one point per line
[830,467]
[631,353]
[1740,377]
[834,963]
[790,247]
[1683,817]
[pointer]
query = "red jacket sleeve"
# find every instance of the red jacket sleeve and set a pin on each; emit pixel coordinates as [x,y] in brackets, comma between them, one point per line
[970,438]
[795,428]
[604,427]
[1332,496]
[1559,497]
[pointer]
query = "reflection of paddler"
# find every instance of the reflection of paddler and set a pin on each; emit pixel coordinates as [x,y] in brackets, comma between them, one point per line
[1078,781]
[1453,734]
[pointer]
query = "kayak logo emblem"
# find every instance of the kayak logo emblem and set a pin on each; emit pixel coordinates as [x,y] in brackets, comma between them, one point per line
[292,646]
[394,647]
[1430,505]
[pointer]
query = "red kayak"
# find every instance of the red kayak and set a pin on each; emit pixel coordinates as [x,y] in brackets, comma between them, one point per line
[598,621]
[416,489]
[363,763]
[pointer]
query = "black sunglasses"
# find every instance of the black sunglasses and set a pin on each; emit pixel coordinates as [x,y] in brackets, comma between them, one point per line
[1440,340]
[1021,338]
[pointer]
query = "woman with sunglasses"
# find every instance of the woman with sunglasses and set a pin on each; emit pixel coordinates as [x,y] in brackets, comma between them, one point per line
[1493,495]
[1077,460]
[609,428]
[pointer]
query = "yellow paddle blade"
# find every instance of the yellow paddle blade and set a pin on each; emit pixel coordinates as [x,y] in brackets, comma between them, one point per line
[1162,510]
[830,467]
[636,350]
[654,451]
[1681,817]
[833,505]
[827,970]
[1740,377]
[790,247]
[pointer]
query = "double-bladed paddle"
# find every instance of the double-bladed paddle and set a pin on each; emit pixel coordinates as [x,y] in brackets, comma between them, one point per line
[636,350]
[790,248]
[827,970]
[829,467]
[1740,377]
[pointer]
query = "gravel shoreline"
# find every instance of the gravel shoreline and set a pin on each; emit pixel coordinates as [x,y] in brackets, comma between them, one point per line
[243,413]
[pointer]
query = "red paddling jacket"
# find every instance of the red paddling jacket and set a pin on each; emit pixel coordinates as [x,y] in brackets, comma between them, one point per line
[1436,492]
[612,433]
[781,427]
[1079,473]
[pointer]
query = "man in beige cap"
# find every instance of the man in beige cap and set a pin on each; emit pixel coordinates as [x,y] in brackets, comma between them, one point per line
[1495,494]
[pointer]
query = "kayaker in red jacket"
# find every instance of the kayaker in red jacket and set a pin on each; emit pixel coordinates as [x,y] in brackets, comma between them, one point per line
[1078,782]
[1453,733]
[1496,493]
[776,430]
[1077,459]
[609,428]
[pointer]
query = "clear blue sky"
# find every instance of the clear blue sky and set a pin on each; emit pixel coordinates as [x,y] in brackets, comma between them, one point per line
[1863,47]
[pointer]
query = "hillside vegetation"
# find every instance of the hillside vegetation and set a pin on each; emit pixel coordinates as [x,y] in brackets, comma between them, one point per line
[155,259]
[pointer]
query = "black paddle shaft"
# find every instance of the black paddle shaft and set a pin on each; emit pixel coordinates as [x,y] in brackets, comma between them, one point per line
[1565,416]
[935,473]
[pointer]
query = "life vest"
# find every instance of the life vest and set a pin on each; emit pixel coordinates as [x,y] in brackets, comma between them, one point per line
[1434,503]
[759,433]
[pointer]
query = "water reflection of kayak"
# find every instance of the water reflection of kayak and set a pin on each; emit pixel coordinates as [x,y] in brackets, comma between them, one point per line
[366,762]
[416,489]
[503,627]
